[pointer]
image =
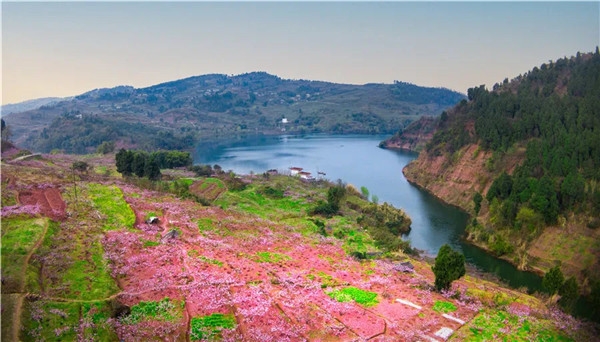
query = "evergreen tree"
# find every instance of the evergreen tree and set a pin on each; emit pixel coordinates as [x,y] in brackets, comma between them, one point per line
[124,162]
[569,292]
[139,163]
[152,169]
[449,266]
[477,198]
[572,190]
[553,280]
[501,187]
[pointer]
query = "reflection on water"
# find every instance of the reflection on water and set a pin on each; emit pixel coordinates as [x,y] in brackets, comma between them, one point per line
[357,160]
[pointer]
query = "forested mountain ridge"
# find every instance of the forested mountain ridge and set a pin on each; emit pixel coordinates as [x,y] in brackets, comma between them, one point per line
[177,114]
[524,160]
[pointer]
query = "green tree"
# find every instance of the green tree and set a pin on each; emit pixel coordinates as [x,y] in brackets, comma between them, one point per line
[152,169]
[449,266]
[365,192]
[124,162]
[139,163]
[544,200]
[553,280]
[569,292]
[528,218]
[572,189]
[80,166]
[106,147]
[501,187]
[477,198]
[594,300]
[6,133]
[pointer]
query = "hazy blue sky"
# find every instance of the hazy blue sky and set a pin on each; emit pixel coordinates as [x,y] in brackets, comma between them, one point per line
[63,49]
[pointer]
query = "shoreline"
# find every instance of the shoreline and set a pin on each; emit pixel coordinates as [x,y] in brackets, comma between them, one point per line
[484,248]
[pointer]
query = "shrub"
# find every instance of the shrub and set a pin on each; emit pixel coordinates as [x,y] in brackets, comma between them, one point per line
[323,208]
[271,192]
[594,223]
[80,166]
[500,245]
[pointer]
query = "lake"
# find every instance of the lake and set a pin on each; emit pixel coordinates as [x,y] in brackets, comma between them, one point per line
[358,160]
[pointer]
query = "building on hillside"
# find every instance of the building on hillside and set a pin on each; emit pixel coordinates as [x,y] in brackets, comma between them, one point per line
[295,170]
[305,175]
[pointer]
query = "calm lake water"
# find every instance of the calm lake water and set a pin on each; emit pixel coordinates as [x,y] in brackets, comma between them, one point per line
[358,160]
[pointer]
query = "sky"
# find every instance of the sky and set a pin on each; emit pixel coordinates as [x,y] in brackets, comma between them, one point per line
[65,49]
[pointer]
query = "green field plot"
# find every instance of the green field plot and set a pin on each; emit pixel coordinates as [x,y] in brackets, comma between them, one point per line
[210,327]
[19,237]
[109,201]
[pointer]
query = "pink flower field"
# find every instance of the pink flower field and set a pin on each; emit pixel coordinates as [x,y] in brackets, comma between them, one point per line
[273,280]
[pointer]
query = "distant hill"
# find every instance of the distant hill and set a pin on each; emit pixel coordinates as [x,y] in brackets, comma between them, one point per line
[30,104]
[524,160]
[178,114]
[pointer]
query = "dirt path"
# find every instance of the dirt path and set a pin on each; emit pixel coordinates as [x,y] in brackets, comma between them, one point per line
[16,324]
[26,157]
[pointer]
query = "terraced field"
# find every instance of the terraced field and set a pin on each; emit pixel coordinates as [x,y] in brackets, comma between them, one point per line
[254,266]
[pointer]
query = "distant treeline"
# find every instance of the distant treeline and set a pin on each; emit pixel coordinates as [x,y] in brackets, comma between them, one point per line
[75,132]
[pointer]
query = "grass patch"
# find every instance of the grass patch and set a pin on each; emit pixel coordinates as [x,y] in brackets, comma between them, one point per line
[95,314]
[7,196]
[502,326]
[210,327]
[443,307]
[90,280]
[62,321]
[195,254]
[110,202]
[269,257]
[186,181]
[150,243]
[327,280]
[41,319]
[152,214]
[8,308]
[164,310]
[352,293]
[211,261]
[209,181]
[251,200]
[205,224]
[19,235]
